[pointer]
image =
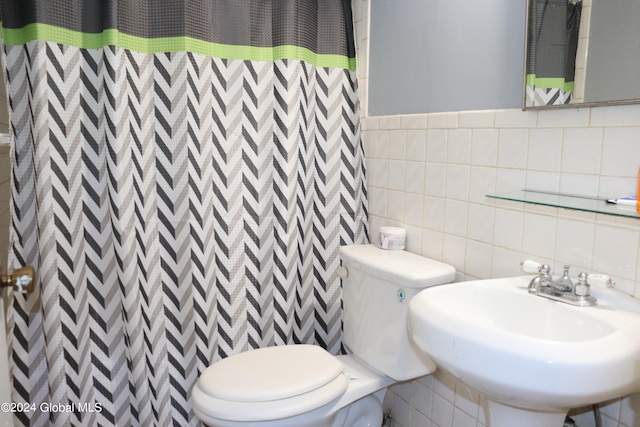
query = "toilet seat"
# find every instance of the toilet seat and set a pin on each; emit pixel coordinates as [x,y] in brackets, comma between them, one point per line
[269,383]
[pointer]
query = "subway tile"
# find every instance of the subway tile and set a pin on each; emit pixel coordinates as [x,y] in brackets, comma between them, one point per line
[545,150]
[370,123]
[442,120]
[582,150]
[441,411]
[482,181]
[395,205]
[505,262]
[414,121]
[397,171]
[615,251]
[516,119]
[432,244]
[476,119]
[422,398]
[574,242]
[379,173]
[630,411]
[418,419]
[610,409]
[478,259]
[543,181]
[507,231]
[619,115]
[484,147]
[389,122]
[414,177]
[453,251]
[433,213]
[539,234]
[480,223]
[611,187]
[401,412]
[413,205]
[413,243]
[436,146]
[434,179]
[621,152]
[626,286]
[461,419]
[579,184]
[416,145]
[378,201]
[457,182]
[512,148]
[381,144]
[459,146]
[455,217]
[510,180]
[404,390]
[564,118]
[397,144]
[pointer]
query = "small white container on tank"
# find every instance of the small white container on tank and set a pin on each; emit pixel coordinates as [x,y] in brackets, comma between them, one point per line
[393,238]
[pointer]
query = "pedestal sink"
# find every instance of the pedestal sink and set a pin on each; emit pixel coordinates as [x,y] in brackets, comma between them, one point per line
[533,358]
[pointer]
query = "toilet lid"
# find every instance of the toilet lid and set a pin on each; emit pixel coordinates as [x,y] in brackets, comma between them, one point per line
[270,373]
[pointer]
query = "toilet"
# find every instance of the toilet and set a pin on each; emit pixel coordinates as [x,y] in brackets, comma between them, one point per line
[304,385]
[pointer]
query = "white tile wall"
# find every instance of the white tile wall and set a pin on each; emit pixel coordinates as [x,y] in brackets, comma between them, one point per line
[464,155]
[441,202]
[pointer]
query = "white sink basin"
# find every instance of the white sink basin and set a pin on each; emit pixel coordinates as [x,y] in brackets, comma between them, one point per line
[525,352]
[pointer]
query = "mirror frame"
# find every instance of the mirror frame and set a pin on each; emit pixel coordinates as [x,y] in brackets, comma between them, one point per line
[525,107]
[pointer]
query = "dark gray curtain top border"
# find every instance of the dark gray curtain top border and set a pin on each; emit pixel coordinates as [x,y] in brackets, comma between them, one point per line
[322,26]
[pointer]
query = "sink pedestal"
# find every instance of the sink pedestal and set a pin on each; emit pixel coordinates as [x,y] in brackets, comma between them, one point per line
[501,415]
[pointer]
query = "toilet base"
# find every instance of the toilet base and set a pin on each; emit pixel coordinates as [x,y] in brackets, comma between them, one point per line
[366,412]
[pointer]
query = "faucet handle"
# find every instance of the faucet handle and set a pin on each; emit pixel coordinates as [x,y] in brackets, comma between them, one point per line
[600,280]
[532,267]
[582,288]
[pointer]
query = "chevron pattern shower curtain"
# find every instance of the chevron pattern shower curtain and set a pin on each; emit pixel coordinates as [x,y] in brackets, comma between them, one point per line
[183,175]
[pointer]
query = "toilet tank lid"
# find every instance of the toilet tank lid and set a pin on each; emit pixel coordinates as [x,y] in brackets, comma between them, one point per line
[398,267]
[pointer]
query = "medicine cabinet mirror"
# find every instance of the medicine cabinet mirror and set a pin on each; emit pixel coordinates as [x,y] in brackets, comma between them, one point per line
[582,53]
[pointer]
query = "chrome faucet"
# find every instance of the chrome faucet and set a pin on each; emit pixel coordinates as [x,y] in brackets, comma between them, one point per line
[564,283]
[563,289]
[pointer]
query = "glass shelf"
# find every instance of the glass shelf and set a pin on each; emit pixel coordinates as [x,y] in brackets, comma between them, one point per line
[565,201]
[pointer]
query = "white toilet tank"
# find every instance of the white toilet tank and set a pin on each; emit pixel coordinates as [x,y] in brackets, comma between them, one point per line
[376,295]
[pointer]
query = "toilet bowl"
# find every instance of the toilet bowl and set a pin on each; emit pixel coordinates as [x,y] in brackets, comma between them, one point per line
[304,385]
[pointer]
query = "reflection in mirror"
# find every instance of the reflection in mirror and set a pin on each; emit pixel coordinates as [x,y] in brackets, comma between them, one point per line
[552,43]
[582,52]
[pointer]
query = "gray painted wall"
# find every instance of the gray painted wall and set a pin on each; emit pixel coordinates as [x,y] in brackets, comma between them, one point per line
[445,55]
[614,51]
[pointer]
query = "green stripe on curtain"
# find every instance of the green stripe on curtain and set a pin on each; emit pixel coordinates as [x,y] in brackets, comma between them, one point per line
[114,37]
[549,82]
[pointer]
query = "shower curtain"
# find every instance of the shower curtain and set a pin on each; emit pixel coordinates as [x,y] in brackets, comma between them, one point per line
[552,45]
[184,173]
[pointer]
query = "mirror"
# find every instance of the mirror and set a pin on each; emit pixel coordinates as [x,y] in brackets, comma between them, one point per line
[582,53]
